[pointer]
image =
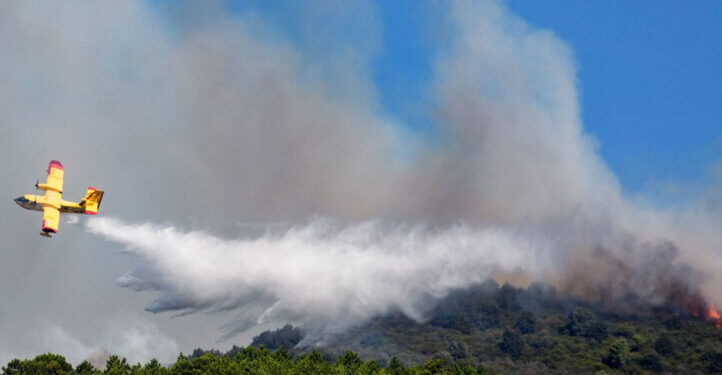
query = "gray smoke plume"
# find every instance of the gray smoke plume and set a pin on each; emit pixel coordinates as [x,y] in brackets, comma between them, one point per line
[220,124]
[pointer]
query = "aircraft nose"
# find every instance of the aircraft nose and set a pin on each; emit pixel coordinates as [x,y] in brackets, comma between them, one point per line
[20,200]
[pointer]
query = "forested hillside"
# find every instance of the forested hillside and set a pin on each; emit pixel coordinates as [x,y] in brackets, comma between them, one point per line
[482,330]
[536,330]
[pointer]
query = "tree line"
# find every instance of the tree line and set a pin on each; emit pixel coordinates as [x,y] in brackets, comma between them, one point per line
[247,361]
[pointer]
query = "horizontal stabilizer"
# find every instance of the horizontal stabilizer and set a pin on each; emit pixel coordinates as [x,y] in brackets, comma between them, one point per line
[92,200]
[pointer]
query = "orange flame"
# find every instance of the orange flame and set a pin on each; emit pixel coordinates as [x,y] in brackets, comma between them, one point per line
[713,316]
[712,313]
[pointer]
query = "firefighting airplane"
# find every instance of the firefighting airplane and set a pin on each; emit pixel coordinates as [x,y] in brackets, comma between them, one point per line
[52,203]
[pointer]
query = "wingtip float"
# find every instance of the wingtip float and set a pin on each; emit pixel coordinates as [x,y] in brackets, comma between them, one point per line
[52,203]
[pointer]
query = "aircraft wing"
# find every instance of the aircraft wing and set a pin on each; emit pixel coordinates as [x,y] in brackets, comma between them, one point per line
[55,177]
[51,219]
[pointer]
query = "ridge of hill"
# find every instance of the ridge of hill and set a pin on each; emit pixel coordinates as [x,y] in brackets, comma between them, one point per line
[530,330]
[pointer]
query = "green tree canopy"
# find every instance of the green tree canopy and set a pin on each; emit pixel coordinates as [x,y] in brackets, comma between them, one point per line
[44,364]
[512,343]
[618,354]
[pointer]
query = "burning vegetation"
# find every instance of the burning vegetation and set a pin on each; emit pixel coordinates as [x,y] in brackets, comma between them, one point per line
[713,316]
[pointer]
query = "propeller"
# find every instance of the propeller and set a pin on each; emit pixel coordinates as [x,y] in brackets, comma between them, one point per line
[36,183]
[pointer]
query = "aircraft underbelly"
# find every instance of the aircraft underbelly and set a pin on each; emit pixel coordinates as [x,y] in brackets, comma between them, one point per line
[72,210]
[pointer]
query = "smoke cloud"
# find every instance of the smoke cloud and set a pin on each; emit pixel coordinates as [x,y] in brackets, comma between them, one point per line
[138,342]
[235,133]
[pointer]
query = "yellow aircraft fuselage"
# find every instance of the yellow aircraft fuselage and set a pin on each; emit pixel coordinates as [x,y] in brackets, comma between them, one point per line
[52,202]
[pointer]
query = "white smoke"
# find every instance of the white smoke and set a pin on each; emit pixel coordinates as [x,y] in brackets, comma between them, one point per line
[138,341]
[322,276]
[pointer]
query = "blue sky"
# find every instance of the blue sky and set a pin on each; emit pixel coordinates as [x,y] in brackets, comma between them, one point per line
[650,78]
